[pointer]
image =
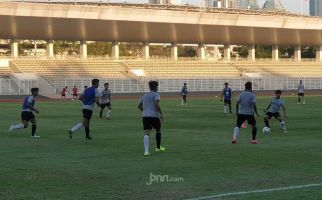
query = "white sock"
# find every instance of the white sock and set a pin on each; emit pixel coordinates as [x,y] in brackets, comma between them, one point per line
[225,109]
[236,131]
[77,127]
[146,141]
[18,126]
[282,125]
[109,113]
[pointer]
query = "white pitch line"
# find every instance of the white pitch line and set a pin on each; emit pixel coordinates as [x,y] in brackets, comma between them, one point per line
[257,191]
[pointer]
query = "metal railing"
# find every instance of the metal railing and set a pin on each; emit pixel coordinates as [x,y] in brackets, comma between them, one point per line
[16,87]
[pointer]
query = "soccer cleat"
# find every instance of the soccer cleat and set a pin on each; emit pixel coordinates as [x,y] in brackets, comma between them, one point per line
[11,128]
[285,130]
[35,136]
[108,118]
[160,150]
[147,154]
[255,142]
[89,138]
[234,142]
[70,133]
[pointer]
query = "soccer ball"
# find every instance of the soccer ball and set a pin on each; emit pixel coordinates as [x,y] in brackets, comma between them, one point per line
[266,130]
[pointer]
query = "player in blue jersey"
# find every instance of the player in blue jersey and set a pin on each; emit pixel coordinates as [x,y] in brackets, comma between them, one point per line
[89,97]
[227,93]
[184,93]
[273,110]
[28,107]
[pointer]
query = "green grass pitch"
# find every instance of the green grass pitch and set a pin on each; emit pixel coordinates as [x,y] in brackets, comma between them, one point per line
[199,153]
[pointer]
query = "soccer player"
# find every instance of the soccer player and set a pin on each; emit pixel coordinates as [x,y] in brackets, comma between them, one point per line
[184,93]
[273,110]
[63,93]
[300,90]
[227,94]
[75,94]
[152,116]
[88,98]
[28,107]
[245,107]
[106,101]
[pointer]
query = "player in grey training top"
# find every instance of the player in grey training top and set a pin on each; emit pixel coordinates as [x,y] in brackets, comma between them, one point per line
[152,116]
[245,107]
[105,101]
[300,90]
[273,110]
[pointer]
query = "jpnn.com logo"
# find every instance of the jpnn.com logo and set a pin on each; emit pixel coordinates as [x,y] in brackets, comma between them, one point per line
[163,179]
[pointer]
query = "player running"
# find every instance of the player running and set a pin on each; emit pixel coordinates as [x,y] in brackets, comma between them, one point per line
[106,101]
[300,90]
[28,107]
[245,107]
[88,98]
[184,93]
[273,110]
[151,116]
[75,93]
[227,94]
[63,93]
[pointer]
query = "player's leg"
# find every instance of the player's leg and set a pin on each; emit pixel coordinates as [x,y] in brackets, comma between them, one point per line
[229,103]
[303,98]
[147,127]
[86,123]
[157,126]
[266,119]
[102,109]
[282,123]
[252,121]
[185,99]
[240,121]
[34,128]
[109,111]
[77,127]
[299,98]
[225,106]
[24,119]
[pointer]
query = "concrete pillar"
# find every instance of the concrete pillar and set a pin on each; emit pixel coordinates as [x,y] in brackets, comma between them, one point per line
[146,50]
[201,51]
[251,52]
[115,50]
[83,49]
[275,53]
[297,53]
[319,53]
[227,52]
[50,49]
[14,48]
[174,51]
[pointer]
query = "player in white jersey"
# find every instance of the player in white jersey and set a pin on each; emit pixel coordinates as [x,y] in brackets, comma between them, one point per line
[105,101]
[300,90]
[151,116]
[273,110]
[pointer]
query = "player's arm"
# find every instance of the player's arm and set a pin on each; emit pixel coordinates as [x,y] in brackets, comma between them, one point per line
[268,107]
[157,105]
[140,106]
[222,95]
[30,106]
[81,97]
[255,109]
[97,97]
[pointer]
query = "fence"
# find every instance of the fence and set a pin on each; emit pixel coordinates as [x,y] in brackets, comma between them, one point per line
[16,87]
[194,85]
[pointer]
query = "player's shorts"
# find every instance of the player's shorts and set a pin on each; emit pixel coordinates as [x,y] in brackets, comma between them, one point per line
[226,101]
[87,114]
[103,105]
[301,94]
[249,118]
[27,116]
[270,114]
[63,95]
[151,122]
[184,96]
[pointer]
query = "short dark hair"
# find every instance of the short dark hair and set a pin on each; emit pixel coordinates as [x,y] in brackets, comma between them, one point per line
[184,83]
[248,85]
[106,84]
[226,83]
[95,81]
[278,92]
[34,90]
[153,85]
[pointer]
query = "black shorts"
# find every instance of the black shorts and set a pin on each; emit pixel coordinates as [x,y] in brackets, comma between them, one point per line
[151,122]
[87,114]
[184,97]
[27,116]
[227,101]
[270,115]
[249,118]
[301,94]
[103,105]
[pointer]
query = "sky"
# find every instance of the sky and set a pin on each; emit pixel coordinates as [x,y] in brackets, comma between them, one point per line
[293,6]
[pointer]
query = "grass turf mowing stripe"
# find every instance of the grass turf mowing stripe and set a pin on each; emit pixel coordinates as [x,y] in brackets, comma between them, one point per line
[257,191]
